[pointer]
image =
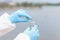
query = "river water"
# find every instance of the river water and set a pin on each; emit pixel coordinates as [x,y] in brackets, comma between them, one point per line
[47,18]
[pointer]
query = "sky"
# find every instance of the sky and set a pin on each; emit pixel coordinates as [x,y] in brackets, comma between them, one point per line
[40,1]
[51,1]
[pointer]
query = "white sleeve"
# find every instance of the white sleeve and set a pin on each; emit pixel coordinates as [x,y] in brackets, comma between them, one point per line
[5,24]
[22,36]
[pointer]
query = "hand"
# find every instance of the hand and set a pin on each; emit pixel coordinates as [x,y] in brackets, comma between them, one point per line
[18,16]
[32,33]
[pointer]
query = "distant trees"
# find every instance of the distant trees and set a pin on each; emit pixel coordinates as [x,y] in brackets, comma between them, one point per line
[26,4]
[37,4]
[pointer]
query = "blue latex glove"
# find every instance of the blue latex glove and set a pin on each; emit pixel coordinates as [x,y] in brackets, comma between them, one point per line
[17,16]
[32,33]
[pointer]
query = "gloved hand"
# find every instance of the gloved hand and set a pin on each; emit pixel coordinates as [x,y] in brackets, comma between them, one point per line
[19,16]
[32,33]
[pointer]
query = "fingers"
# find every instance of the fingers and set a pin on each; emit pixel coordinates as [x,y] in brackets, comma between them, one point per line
[33,33]
[35,30]
[28,17]
[23,20]
[22,13]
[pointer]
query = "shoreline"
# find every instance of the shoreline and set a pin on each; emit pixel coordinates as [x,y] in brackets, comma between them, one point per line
[30,5]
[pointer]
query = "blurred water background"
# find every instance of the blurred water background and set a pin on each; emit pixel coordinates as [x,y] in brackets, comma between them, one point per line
[46,17]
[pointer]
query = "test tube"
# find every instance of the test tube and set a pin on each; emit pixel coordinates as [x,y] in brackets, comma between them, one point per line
[32,23]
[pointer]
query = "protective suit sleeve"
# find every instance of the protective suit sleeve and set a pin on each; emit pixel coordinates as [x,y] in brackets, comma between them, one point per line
[5,24]
[22,36]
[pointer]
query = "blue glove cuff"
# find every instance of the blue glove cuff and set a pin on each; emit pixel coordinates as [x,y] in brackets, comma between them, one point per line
[12,18]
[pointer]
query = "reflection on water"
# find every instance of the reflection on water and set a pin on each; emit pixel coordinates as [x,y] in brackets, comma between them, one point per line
[47,18]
